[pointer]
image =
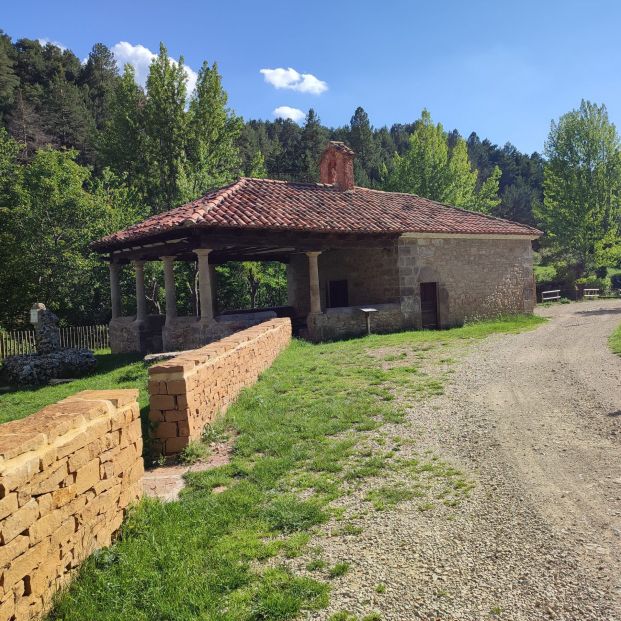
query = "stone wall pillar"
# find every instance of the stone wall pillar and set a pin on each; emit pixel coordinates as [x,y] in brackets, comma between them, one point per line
[141,300]
[313,276]
[169,285]
[204,284]
[115,290]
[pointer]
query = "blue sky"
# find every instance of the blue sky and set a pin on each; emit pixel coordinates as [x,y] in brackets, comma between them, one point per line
[503,69]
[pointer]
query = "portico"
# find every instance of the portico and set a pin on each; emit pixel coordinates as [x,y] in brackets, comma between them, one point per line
[416,262]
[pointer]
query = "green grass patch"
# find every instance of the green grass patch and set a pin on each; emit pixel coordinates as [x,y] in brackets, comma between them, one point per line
[338,570]
[614,341]
[113,371]
[300,442]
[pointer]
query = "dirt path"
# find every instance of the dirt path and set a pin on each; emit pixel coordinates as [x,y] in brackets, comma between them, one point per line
[535,420]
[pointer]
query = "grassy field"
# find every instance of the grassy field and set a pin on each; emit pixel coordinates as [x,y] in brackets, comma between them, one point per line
[113,371]
[301,443]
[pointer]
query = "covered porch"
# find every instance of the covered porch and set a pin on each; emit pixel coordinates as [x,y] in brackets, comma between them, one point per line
[330,277]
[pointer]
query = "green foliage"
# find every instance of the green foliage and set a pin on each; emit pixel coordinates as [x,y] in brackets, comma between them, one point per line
[165,132]
[213,131]
[56,212]
[250,284]
[582,206]
[431,169]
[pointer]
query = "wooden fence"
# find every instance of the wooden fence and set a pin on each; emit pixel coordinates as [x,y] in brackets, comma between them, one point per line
[23,341]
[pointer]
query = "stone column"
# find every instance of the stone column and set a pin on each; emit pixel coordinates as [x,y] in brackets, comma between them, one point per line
[204,284]
[141,300]
[115,291]
[313,275]
[169,286]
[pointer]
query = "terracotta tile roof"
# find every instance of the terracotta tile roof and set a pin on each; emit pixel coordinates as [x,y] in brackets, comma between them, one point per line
[282,205]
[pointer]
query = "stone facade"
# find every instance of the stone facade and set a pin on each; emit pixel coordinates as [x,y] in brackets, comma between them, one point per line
[184,333]
[68,474]
[128,335]
[189,391]
[336,323]
[477,277]
[372,276]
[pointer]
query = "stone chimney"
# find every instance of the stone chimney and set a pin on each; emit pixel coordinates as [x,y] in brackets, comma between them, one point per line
[337,166]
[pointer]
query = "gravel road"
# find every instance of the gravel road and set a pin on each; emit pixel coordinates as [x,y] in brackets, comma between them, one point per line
[534,420]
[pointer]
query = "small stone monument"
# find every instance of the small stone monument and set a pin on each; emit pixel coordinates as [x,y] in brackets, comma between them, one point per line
[47,332]
[51,362]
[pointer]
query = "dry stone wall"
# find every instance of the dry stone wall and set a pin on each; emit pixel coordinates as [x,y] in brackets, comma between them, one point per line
[67,475]
[189,391]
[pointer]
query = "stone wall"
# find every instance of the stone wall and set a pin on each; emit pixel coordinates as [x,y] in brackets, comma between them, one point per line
[477,278]
[338,323]
[128,335]
[67,476]
[372,277]
[189,391]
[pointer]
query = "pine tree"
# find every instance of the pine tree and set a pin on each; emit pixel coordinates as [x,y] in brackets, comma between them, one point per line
[165,132]
[212,151]
[312,143]
[362,141]
[9,82]
[99,75]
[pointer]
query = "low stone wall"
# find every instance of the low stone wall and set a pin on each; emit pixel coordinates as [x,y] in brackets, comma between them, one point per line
[67,476]
[187,392]
[128,335]
[339,323]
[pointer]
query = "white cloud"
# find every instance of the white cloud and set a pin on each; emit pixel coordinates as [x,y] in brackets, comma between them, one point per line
[295,81]
[140,57]
[43,41]
[286,112]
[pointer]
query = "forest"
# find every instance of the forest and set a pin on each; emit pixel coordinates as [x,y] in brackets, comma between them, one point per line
[85,150]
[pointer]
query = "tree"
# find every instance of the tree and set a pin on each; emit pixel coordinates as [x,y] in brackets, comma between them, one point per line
[212,151]
[582,189]
[257,166]
[122,144]
[165,132]
[68,118]
[431,169]
[9,81]
[362,141]
[99,76]
[312,143]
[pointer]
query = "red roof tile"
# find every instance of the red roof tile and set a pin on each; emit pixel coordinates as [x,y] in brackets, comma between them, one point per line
[269,204]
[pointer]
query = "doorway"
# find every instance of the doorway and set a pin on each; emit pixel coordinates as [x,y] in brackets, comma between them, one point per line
[429,305]
[338,295]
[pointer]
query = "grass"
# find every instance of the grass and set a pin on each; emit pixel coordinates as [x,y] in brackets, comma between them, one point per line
[614,341]
[113,371]
[300,444]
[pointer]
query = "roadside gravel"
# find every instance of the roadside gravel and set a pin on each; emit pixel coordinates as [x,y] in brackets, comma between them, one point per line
[534,420]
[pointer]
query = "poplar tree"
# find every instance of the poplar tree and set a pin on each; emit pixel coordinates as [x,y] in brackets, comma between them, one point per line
[165,132]
[582,189]
[431,169]
[213,130]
